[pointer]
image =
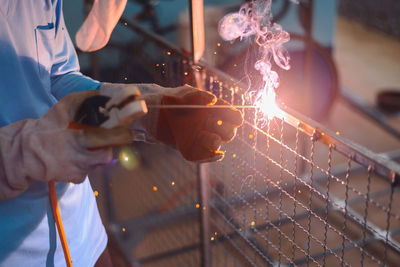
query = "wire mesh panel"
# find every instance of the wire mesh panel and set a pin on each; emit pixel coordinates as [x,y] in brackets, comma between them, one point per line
[288,192]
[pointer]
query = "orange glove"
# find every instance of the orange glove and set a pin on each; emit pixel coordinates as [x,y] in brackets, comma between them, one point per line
[197,133]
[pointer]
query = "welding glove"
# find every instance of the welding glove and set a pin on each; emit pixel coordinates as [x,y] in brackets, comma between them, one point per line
[46,149]
[196,133]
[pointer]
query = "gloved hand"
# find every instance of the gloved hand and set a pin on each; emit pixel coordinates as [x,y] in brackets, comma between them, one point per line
[45,149]
[197,133]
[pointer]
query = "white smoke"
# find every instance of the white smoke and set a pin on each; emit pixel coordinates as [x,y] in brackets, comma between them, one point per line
[254,20]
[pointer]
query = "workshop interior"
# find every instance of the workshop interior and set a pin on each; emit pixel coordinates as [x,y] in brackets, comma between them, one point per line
[316,183]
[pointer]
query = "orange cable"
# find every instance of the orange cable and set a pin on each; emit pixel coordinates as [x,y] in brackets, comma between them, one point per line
[57,219]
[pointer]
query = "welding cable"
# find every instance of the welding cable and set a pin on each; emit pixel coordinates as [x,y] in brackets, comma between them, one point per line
[58,221]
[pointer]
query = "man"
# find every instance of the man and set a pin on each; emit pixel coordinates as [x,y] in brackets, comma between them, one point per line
[39,67]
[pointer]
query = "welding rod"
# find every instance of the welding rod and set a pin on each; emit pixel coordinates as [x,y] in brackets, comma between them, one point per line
[199,106]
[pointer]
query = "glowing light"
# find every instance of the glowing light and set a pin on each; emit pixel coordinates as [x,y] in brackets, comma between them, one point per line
[125,78]
[186,73]
[169,53]
[96,193]
[218,44]
[253,223]
[337,133]
[123,229]
[251,136]
[172,183]
[266,104]
[197,206]
[215,52]
[128,158]
[219,122]
[234,155]
[212,238]
[155,188]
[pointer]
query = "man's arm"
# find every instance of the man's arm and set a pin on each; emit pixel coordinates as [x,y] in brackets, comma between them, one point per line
[66,77]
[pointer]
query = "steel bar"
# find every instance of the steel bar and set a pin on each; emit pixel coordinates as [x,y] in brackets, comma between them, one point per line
[200,106]
[382,166]
[204,214]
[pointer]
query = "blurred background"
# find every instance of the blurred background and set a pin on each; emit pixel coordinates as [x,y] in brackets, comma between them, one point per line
[345,57]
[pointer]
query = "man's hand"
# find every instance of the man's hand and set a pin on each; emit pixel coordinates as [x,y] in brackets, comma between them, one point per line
[197,132]
[46,149]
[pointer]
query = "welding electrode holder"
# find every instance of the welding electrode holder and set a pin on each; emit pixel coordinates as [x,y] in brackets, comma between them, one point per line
[89,111]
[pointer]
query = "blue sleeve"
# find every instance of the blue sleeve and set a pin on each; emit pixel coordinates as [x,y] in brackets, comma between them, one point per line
[65,75]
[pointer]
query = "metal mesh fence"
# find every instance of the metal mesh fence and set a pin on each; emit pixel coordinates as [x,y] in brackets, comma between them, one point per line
[288,192]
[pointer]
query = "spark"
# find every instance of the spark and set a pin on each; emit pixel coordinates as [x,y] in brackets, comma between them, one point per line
[197,206]
[219,122]
[172,183]
[96,193]
[123,229]
[155,188]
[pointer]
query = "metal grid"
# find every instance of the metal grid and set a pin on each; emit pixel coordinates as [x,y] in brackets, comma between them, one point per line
[288,192]
[283,198]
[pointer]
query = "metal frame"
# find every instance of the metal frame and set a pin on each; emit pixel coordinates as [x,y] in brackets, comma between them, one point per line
[388,169]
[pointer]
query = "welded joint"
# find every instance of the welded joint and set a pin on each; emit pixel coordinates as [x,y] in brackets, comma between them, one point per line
[316,135]
[395,178]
